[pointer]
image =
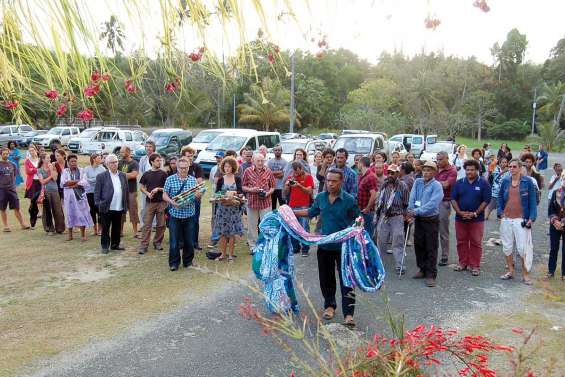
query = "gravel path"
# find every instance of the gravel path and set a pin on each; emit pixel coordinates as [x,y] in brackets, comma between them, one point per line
[211,339]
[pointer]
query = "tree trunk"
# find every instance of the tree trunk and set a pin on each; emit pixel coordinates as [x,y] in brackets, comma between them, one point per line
[557,119]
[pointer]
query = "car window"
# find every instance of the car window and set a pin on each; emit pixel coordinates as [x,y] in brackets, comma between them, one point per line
[66,132]
[252,143]
[268,140]
[105,136]
[417,140]
[129,137]
[5,131]
[138,136]
[26,128]
[378,144]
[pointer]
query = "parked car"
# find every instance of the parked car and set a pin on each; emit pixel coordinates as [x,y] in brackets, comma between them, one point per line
[309,145]
[112,139]
[59,136]
[201,141]
[364,144]
[432,150]
[236,139]
[352,132]
[13,132]
[27,139]
[396,146]
[292,135]
[168,142]
[328,137]
[75,145]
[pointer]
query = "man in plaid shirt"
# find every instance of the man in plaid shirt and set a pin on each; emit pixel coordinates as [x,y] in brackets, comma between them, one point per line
[259,185]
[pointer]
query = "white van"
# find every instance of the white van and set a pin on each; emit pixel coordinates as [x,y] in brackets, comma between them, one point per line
[236,140]
[205,137]
[364,144]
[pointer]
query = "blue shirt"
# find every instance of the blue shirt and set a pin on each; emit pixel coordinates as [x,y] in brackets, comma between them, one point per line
[425,198]
[278,165]
[173,186]
[349,180]
[542,165]
[469,196]
[334,216]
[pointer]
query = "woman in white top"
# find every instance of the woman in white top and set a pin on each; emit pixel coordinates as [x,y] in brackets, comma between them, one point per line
[91,172]
[460,159]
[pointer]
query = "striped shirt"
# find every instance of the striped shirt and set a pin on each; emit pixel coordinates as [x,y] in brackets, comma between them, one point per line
[262,179]
[349,180]
[173,187]
[398,205]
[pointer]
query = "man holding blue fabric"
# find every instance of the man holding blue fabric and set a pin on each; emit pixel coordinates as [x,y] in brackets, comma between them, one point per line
[337,210]
[423,210]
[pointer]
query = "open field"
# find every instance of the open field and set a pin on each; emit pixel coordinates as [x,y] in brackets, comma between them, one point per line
[57,295]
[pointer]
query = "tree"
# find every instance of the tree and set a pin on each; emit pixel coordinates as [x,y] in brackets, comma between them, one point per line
[480,105]
[113,33]
[423,105]
[550,135]
[313,101]
[551,97]
[554,68]
[510,54]
[266,105]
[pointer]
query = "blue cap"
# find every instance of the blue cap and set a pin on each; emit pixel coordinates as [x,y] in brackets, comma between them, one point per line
[220,154]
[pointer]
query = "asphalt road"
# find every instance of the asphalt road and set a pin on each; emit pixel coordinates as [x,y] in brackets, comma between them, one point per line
[210,338]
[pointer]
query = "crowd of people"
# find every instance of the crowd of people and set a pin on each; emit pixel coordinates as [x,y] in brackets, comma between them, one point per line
[401,201]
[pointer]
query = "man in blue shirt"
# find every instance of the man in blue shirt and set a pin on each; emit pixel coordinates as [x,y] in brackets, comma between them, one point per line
[423,211]
[182,217]
[469,198]
[349,176]
[541,158]
[337,210]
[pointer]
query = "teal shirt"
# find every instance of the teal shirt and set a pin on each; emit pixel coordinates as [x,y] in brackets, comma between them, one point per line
[334,216]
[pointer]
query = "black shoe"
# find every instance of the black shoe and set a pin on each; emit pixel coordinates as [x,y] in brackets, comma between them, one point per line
[142,251]
[197,247]
[174,268]
[118,248]
[443,262]
[105,251]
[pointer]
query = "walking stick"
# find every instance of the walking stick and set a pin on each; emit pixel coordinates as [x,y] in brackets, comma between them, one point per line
[404,251]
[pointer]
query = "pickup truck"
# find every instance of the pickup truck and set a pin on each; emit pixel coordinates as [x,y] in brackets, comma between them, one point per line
[56,136]
[14,132]
[112,139]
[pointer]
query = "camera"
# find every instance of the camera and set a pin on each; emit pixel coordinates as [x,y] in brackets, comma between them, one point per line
[291,182]
[526,225]
[262,194]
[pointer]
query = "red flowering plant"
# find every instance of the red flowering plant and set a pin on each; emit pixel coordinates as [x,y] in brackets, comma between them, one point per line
[482,5]
[172,86]
[61,110]
[130,86]
[92,90]
[197,55]
[86,115]
[52,94]
[11,104]
[431,23]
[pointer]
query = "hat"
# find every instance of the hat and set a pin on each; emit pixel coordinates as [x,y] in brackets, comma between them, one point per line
[430,164]
[220,154]
[393,167]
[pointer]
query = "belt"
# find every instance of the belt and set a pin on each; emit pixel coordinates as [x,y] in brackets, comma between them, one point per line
[428,218]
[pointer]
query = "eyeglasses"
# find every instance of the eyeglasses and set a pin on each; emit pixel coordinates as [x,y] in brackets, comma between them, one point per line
[513,166]
[183,168]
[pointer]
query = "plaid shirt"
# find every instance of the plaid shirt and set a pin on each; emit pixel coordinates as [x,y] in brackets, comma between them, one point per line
[398,205]
[172,187]
[367,182]
[263,179]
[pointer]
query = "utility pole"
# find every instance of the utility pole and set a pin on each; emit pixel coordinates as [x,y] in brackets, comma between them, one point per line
[233,122]
[292,109]
[534,112]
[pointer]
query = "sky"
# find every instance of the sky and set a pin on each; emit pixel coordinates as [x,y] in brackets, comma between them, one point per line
[367,27]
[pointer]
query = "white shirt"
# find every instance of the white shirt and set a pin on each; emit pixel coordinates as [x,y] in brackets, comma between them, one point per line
[555,186]
[212,175]
[116,204]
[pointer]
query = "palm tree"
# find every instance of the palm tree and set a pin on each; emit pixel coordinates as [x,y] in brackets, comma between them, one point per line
[552,96]
[266,105]
[113,33]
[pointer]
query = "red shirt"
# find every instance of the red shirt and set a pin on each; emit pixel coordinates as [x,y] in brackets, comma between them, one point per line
[262,179]
[448,174]
[299,198]
[366,183]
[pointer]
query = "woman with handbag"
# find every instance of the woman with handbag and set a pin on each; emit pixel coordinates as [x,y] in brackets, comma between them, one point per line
[33,186]
[73,181]
[556,213]
[53,219]
[228,223]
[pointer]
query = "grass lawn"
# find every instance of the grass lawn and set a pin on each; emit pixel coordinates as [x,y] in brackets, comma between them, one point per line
[56,296]
[514,145]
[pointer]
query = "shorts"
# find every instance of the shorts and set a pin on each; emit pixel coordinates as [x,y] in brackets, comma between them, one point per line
[512,232]
[9,197]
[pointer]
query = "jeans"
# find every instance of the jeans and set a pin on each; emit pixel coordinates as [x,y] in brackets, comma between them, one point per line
[305,222]
[469,237]
[215,237]
[426,244]
[196,225]
[181,230]
[555,236]
[328,261]
[111,223]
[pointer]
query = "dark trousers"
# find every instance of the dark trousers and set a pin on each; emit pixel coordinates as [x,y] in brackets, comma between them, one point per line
[93,209]
[426,244]
[277,196]
[196,225]
[111,228]
[555,237]
[328,261]
[181,230]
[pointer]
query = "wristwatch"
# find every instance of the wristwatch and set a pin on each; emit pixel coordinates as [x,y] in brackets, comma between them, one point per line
[475,214]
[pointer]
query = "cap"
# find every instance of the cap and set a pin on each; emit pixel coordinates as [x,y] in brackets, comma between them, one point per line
[220,154]
[430,164]
[393,167]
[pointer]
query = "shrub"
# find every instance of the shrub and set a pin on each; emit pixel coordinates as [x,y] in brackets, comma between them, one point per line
[509,130]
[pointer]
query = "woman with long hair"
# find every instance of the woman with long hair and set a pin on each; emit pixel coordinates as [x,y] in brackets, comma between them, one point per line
[60,164]
[32,184]
[228,223]
[91,172]
[77,210]
[53,219]
[14,157]
[460,158]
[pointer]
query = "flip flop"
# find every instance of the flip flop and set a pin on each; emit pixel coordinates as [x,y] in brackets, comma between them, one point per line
[459,268]
[328,314]
[507,276]
[475,272]
[350,324]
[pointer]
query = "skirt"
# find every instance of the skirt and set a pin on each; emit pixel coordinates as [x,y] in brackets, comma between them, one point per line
[228,221]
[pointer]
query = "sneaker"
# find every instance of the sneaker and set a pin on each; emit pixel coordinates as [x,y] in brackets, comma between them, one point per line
[389,251]
[174,268]
[105,251]
[305,254]
[443,262]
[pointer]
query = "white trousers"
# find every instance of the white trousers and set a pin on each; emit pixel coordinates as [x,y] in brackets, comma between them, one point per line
[511,231]
[253,216]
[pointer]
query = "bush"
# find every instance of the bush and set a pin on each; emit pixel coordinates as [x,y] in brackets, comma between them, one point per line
[509,130]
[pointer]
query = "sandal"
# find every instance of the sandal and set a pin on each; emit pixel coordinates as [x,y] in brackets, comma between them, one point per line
[26,227]
[230,259]
[475,272]
[220,258]
[328,314]
[349,323]
[528,281]
[6,230]
[459,268]
[507,276]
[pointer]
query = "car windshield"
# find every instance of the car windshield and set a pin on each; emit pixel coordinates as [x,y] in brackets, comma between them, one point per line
[290,147]
[417,140]
[160,139]
[325,136]
[225,142]
[355,145]
[205,136]
[55,131]
[89,132]
[440,147]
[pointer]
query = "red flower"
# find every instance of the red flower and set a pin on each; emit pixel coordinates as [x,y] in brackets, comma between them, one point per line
[106,77]
[172,86]
[130,86]
[431,23]
[517,330]
[482,5]
[277,49]
[92,90]
[11,105]
[52,94]
[197,54]
[61,110]
[95,76]
[86,115]
[271,58]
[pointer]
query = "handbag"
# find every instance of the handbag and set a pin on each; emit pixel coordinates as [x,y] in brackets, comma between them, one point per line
[41,196]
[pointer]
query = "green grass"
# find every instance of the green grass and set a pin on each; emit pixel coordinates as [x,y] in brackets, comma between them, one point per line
[514,145]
